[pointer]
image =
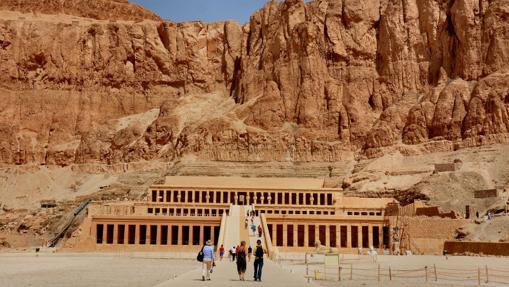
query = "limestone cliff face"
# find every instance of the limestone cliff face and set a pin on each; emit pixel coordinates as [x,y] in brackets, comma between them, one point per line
[319,81]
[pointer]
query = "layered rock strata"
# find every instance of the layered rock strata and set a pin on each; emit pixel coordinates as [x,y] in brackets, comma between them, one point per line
[326,80]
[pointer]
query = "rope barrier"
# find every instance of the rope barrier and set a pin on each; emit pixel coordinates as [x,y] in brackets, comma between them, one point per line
[455,269]
[499,282]
[499,270]
[426,273]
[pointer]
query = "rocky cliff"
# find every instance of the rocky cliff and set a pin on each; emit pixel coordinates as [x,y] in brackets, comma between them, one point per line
[319,81]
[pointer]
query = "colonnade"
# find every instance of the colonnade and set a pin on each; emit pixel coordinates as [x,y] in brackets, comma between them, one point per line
[331,235]
[244,197]
[190,211]
[155,234]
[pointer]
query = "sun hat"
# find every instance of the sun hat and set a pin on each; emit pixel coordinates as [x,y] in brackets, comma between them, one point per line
[209,243]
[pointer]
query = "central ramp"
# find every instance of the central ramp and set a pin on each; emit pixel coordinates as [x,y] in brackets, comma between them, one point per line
[232,233]
[225,275]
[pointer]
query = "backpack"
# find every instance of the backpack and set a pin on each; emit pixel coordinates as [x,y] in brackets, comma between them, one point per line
[199,257]
[259,252]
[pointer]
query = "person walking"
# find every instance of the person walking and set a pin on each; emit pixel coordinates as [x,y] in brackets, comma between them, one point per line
[241,260]
[249,253]
[208,260]
[258,262]
[221,252]
[260,231]
[253,228]
[233,253]
[246,223]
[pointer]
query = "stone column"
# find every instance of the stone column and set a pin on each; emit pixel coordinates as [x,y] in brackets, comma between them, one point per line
[126,234]
[276,199]
[370,235]
[338,236]
[115,233]
[273,234]
[170,233]
[380,237]
[349,236]
[179,240]
[359,236]
[317,233]
[327,236]
[147,238]
[318,199]
[137,235]
[212,236]
[159,234]
[202,235]
[285,235]
[306,235]
[295,234]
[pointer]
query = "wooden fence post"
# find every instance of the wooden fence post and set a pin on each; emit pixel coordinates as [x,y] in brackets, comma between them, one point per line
[435,270]
[339,274]
[307,266]
[426,273]
[378,273]
[487,278]
[351,271]
[390,273]
[478,276]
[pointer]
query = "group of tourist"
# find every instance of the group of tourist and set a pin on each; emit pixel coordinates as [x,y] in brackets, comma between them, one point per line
[240,254]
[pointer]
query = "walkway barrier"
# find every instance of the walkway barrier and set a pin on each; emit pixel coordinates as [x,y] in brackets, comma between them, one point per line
[478,276]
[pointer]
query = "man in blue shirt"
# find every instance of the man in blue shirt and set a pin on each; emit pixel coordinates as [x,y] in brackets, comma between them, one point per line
[208,260]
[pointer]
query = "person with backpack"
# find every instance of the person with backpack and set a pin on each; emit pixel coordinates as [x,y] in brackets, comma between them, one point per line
[241,260]
[258,262]
[260,231]
[206,257]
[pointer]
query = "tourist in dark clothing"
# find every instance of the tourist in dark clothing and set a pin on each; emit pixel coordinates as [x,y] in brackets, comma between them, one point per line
[249,253]
[241,260]
[259,251]
[259,231]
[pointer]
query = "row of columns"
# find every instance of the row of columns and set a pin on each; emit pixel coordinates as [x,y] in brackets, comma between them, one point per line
[274,235]
[148,235]
[242,197]
[187,211]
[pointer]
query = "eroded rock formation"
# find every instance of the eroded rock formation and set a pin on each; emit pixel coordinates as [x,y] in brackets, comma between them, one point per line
[319,81]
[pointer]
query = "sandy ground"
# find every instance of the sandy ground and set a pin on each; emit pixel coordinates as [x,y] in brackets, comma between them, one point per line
[130,269]
[408,270]
[162,269]
[108,270]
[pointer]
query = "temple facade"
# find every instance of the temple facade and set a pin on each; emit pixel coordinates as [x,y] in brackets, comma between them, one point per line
[296,215]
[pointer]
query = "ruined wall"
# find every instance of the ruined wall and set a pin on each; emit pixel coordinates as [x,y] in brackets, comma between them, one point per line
[487,193]
[418,238]
[482,248]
